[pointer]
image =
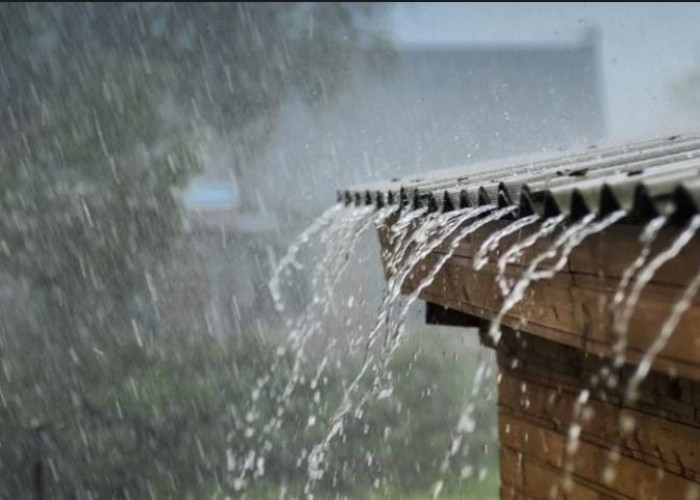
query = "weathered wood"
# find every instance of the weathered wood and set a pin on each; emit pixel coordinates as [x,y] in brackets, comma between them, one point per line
[653,440]
[540,381]
[573,307]
[547,363]
[628,477]
[526,477]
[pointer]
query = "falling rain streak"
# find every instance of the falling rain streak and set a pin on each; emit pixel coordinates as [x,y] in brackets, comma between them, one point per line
[161,338]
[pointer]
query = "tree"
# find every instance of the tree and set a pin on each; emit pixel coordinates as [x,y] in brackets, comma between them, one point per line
[101,109]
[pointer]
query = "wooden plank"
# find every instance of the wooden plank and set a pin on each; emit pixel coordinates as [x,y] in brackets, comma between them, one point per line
[510,492]
[436,314]
[604,254]
[538,480]
[631,478]
[536,403]
[532,359]
[572,307]
[563,310]
[564,348]
[656,441]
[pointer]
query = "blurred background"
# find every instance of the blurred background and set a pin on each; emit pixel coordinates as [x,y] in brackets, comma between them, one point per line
[156,162]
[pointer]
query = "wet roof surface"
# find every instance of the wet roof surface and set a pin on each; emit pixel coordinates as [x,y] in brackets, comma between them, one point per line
[655,177]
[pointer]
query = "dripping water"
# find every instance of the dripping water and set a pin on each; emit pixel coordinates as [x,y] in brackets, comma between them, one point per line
[435,269]
[650,269]
[620,325]
[517,249]
[336,242]
[492,242]
[432,233]
[679,308]
[566,242]
[289,259]
[413,237]
[440,228]
[647,238]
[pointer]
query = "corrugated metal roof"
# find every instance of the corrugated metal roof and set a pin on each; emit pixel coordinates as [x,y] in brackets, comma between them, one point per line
[656,177]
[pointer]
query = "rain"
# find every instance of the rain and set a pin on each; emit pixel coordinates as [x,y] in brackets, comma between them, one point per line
[275,251]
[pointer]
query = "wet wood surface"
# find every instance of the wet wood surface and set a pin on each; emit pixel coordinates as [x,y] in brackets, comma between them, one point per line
[574,308]
[647,449]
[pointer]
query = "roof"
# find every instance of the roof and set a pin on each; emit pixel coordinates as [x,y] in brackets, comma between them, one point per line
[656,177]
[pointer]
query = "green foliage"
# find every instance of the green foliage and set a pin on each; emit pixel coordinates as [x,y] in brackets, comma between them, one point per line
[179,417]
[408,434]
[101,107]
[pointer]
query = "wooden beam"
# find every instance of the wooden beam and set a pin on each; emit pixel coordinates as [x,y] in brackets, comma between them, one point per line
[436,314]
[572,308]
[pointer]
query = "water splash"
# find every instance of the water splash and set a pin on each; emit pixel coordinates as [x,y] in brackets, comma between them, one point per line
[433,233]
[466,424]
[309,323]
[413,236]
[343,229]
[582,411]
[400,237]
[571,238]
[342,256]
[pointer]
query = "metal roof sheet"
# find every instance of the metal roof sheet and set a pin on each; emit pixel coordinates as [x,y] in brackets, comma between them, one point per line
[654,177]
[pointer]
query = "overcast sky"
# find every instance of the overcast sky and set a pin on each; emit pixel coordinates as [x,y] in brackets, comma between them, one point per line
[646,47]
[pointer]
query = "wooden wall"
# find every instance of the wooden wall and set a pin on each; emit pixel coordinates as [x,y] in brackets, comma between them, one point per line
[647,450]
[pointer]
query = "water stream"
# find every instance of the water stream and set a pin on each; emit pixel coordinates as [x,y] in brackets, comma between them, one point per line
[289,258]
[679,308]
[493,241]
[341,231]
[414,236]
[454,244]
[426,237]
[517,249]
[648,272]
[564,244]
[620,325]
[647,238]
